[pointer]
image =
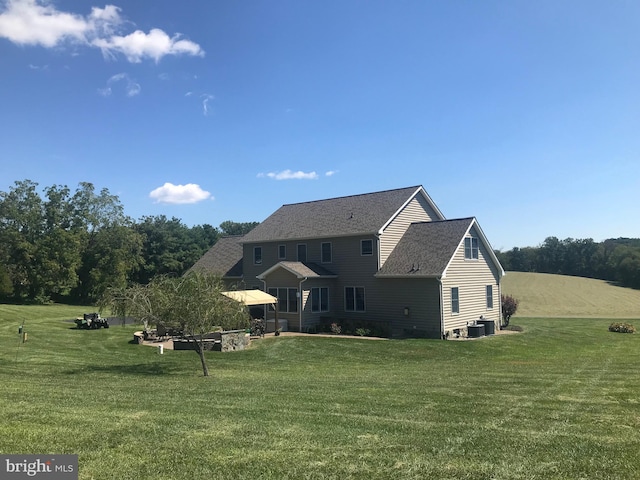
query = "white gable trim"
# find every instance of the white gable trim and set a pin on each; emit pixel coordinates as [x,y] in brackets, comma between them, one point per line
[485,242]
[278,265]
[425,195]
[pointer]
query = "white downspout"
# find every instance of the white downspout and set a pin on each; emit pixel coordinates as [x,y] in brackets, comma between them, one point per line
[441,308]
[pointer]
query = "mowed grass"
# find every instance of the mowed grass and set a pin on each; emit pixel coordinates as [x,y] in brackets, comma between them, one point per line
[547,295]
[561,400]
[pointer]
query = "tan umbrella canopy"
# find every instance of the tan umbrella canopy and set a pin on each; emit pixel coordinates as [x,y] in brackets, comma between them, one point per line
[251,297]
[255,297]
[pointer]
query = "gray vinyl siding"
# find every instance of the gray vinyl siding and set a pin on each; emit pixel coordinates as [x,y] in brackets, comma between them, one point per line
[353,270]
[345,256]
[471,277]
[417,210]
[311,319]
[420,296]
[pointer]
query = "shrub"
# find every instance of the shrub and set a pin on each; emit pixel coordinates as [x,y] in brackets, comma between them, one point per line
[336,329]
[622,327]
[363,332]
[351,326]
[509,308]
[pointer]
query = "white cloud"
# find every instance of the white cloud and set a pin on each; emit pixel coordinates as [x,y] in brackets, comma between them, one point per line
[206,98]
[139,45]
[131,87]
[38,22]
[290,175]
[330,173]
[179,194]
[34,22]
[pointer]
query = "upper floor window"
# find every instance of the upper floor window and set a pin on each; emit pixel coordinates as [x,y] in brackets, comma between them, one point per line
[325,252]
[471,248]
[257,255]
[354,299]
[366,247]
[302,252]
[282,252]
[455,300]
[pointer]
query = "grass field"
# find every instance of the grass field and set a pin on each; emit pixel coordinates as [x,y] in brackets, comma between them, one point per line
[561,400]
[546,295]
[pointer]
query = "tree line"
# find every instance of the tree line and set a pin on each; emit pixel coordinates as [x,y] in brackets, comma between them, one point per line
[60,245]
[616,259]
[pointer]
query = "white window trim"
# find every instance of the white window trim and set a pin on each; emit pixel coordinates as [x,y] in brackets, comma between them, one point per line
[471,249]
[486,290]
[362,254]
[451,293]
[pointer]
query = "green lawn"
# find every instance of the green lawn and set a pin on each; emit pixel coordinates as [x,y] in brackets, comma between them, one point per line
[559,401]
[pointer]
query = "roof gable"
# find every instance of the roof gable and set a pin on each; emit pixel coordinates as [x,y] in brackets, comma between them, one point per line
[343,216]
[300,270]
[426,249]
[488,247]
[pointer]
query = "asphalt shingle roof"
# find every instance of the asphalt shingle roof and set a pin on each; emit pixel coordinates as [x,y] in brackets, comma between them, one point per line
[426,248]
[309,270]
[224,258]
[352,215]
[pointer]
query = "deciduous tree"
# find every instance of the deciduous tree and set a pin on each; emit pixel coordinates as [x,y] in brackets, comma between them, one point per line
[192,303]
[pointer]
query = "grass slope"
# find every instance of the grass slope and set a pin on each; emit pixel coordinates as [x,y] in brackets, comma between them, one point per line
[546,295]
[558,401]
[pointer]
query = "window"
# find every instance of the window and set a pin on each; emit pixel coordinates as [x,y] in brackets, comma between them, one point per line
[302,252]
[471,248]
[287,298]
[320,299]
[354,299]
[455,300]
[366,247]
[292,296]
[489,296]
[325,252]
[282,252]
[257,255]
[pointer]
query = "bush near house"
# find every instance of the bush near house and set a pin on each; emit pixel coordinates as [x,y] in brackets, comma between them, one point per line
[350,326]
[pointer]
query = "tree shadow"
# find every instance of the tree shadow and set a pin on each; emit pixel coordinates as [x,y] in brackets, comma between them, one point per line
[129,369]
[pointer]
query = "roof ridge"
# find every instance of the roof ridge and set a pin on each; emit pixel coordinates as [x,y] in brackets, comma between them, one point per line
[353,196]
[444,220]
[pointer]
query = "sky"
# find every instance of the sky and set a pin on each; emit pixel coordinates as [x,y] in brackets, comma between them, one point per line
[523,114]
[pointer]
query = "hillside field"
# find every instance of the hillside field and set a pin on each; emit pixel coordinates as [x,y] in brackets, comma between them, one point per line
[560,296]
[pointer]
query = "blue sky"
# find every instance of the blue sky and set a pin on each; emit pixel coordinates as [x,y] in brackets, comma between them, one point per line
[523,114]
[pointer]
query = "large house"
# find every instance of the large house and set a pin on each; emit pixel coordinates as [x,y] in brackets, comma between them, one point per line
[387,258]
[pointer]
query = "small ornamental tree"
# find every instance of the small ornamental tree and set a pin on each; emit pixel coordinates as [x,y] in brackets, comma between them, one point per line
[192,304]
[509,308]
